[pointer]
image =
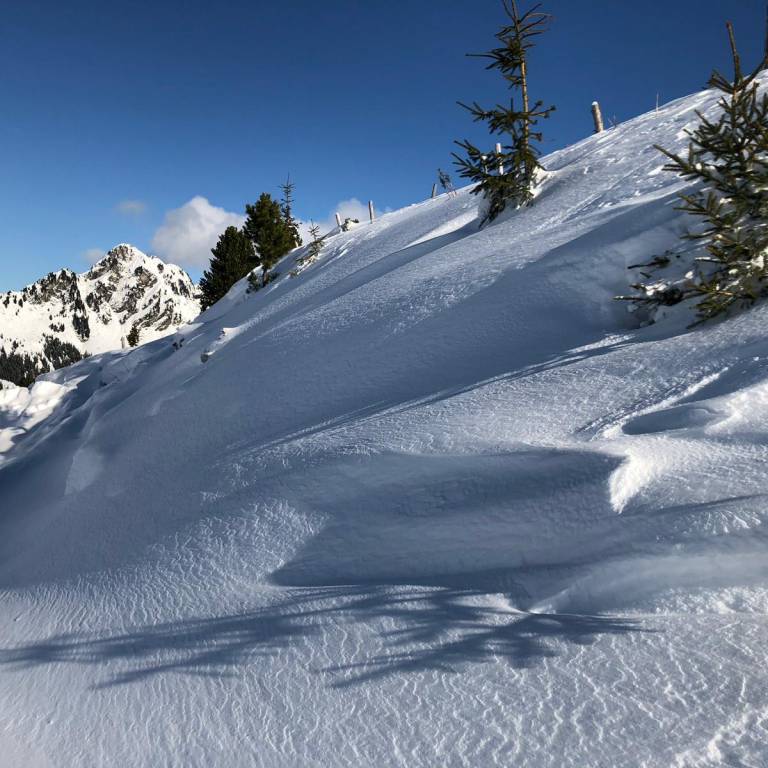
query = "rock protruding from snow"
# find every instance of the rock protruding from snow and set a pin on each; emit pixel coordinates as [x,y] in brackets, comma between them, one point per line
[65,315]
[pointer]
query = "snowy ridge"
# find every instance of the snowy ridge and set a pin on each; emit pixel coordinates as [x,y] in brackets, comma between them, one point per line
[433,501]
[96,310]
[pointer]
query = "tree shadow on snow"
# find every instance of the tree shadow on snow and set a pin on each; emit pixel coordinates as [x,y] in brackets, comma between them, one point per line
[449,630]
[414,630]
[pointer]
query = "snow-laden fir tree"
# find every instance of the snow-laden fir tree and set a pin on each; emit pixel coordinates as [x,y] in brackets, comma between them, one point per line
[519,156]
[232,259]
[728,156]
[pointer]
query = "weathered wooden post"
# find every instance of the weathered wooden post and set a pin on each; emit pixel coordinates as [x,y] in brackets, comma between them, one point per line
[597,116]
[434,190]
[338,220]
[498,155]
[371,212]
[122,342]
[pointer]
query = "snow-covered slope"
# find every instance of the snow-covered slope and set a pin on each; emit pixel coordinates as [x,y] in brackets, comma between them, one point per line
[433,501]
[95,311]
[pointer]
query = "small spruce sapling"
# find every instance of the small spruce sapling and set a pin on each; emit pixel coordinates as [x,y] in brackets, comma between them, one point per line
[317,241]
[445,182]
[313,249]
[519,157]
[286,207]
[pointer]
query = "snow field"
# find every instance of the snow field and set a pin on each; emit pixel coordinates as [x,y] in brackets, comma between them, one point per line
[434,501]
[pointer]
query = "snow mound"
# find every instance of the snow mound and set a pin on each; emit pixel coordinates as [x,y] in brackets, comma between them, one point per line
[433,500]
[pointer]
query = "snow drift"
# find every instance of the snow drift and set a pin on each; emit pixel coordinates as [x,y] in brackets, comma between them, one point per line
[434,500]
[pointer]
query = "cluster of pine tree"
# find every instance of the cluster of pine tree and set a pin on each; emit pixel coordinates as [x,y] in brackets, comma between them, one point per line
[270,231]
[729,158]
[21,369]
[61,353]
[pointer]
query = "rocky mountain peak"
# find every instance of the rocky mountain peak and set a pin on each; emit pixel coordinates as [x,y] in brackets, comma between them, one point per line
[92,312]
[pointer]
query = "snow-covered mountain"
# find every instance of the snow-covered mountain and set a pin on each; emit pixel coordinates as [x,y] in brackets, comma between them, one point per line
[435,500]
[66,315]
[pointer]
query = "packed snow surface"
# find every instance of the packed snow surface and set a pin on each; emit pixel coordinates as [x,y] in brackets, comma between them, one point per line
[434,500]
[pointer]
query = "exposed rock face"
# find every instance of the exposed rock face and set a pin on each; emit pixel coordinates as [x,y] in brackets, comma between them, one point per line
[64,316]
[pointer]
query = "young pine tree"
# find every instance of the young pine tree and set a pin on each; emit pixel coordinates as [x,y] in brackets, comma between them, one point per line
[317,242]
[231,259]
[519,157]
[286,207]
[729,157]
[268,231]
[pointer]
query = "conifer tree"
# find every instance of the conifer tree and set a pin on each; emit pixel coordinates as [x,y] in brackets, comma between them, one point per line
[61,353]
[268,231]
[313,249]
[286,207]
[21,369]
[519,157]
[317,242]
[729,157]
[231,259]
[133,336]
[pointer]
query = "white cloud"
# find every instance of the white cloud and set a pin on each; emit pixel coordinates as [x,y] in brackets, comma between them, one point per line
[131,207]
[351,208]
[92,255]
[188,233]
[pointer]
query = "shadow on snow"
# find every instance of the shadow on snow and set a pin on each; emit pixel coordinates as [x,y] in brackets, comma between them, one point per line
[445,630]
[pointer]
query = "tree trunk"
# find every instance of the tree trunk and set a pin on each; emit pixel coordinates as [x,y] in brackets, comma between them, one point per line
[523,78]
[734,52]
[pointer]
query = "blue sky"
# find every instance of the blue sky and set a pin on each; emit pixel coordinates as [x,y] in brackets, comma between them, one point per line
[115,115]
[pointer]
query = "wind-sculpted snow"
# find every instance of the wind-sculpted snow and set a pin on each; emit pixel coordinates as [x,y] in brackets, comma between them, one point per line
[432,501]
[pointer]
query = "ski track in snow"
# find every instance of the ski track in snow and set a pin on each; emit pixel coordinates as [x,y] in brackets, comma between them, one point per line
[431,502]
